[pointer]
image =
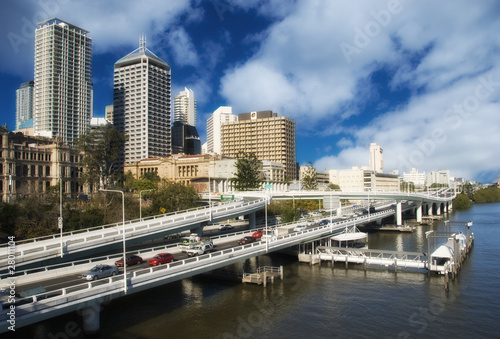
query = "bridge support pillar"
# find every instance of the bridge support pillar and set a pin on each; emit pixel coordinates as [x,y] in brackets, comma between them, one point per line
[91,318]
[438,209]
[198,230]
[251,221]
[418,211]
[399,213]
[429,210]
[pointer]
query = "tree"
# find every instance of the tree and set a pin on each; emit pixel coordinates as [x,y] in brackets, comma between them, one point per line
[468,189]
[100,148]
[309,179]
[290,214]
[488,194]
[333,186]
[148,181]
[173,197]
[247,172]
[461,202]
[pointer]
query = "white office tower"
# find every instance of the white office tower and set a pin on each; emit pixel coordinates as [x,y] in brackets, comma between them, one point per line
[142,104]
[185,107]
[63,87]
[24,105]
[217,118]
[376,158]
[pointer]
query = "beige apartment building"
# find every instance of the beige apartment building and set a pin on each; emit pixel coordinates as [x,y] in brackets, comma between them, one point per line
[266,135]
[63,89]
[30,165]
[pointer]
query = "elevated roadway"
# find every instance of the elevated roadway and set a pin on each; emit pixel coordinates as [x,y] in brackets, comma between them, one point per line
[89,295]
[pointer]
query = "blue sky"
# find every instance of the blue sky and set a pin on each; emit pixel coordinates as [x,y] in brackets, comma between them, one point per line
[419,78]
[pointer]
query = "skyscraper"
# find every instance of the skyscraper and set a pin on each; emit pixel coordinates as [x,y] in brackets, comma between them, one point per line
[63,87]
[185,107]
[24,105]
[264,134]
[221,115]
[376,158]
[142,104]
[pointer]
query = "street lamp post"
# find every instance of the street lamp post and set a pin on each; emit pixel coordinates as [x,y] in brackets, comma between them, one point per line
[140,202]
[267,233]
[209,191]
[124,251]
[60,219]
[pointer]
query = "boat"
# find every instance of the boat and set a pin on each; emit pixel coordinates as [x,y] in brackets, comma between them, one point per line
[350,238]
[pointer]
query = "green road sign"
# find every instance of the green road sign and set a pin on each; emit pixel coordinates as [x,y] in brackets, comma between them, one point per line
[226,197]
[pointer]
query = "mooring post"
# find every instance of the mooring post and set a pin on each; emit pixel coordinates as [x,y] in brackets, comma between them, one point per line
[281,272]
[265,278]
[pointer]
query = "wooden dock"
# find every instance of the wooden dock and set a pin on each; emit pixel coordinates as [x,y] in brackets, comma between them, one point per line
[263,275]
[395,228]
[446,259]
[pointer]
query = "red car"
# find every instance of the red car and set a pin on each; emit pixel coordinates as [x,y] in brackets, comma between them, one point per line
[257,234]
[246,240]
[131,260]
[161,258]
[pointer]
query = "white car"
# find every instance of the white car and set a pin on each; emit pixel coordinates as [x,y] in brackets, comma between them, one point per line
[299,228]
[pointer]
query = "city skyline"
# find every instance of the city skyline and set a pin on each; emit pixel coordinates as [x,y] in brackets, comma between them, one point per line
[348,74]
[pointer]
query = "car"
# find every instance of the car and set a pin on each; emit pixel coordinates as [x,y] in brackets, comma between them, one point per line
[246,240]
[100,271]
[202,248]
[226,227]
[161,258]
[324,222]
[131,260]
[299,228]
[257,234]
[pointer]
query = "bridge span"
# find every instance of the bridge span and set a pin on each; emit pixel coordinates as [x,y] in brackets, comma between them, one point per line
[92,240]
[89,295]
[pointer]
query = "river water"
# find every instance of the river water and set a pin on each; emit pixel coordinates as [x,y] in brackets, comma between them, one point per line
[318,301]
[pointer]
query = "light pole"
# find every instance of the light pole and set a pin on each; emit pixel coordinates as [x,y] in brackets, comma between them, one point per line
[267,234]
[60,219]
[140,203]
[124,252]
[209,191]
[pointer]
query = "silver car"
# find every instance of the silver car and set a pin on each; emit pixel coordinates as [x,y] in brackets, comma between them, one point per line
[100,271]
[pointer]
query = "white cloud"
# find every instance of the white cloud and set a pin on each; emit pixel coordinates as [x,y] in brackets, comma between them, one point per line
[111,24]
[181,47]
[438,51]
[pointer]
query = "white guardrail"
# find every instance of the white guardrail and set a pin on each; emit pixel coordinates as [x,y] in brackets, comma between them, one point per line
[70,297]
[48,248]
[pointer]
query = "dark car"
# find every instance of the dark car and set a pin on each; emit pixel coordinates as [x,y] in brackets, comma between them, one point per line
[131,260]
[100,271]
[161,258]
[246,240]
[226,227]
[324,222]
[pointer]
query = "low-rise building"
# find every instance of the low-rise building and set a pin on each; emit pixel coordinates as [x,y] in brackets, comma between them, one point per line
[361,179]
[30,165]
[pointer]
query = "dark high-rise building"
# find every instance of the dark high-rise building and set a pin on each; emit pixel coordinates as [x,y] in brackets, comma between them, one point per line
[185,139]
